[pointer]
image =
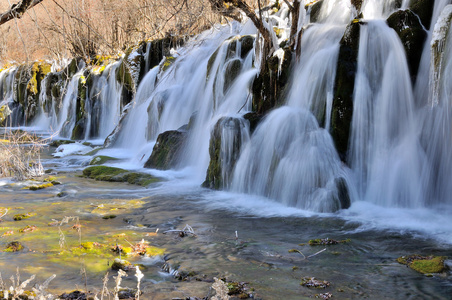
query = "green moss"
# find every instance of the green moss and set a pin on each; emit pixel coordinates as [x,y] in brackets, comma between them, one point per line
[168,62]
[101,159]
[4,113]
[14,247]
[58,143]
[40,187]
[424,264]
[167,150]
[155,251]
[104,173]
[317,242]
[28,228]
[20,217]
[121,264]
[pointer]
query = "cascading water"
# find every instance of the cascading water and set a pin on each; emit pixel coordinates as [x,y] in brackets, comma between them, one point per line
[186,89]
[67,117]
[103,104]
[437,115]
[208,81]
[290,159]
[384,151]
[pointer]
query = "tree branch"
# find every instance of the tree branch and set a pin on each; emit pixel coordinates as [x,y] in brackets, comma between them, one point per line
[17,10]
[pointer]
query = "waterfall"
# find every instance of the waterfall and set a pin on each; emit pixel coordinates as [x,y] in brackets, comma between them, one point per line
[67,116]
[292,160]
[399,145]
[103,104]
[437,115]
[384,151]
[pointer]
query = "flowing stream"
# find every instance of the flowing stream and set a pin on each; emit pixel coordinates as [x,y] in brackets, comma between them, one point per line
[284,182]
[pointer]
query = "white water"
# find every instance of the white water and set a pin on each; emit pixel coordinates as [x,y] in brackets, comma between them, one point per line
[103,104]
[384,152]
[400,149]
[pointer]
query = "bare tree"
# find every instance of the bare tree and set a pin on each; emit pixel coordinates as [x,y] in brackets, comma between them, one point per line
[18,10]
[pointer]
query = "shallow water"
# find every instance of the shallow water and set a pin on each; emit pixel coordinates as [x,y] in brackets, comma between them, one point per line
[365,267]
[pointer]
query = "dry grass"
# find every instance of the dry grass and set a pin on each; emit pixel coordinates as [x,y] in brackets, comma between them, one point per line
[20,155]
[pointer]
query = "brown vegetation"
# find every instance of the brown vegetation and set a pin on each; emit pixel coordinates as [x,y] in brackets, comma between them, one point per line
[55,29]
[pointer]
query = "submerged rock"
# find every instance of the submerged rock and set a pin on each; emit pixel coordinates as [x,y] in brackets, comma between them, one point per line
[167,150]
[342,110]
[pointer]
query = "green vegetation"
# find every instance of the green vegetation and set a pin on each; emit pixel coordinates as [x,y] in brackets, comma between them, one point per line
[424,264]
[104,173]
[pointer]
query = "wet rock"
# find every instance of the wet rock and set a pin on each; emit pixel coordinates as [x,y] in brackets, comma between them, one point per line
[121,264]
[167,150]
[271,85]
[314,9]
[357,4]
[27,87]
[5,112]
[342,110]
[343,195]
[233,68]
[227,130]
[253,119]
[423,9]
[58,143]
[412,35]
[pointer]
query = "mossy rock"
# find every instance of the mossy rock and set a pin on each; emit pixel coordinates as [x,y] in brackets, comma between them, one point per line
[20,217]
[424,264]
[14,247]
[101,159]
[215,177]
[40,186]
[423,9]
[107,217]
[4,114]
[270,88]
[58,143]
[113,174]
[343,195]
[357,4]
[315,8]
[121,264]
[253,119]
[412,35]
[169,60]
[247,44]
[233,68]
[167,149]
[342,110]
[102,173]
